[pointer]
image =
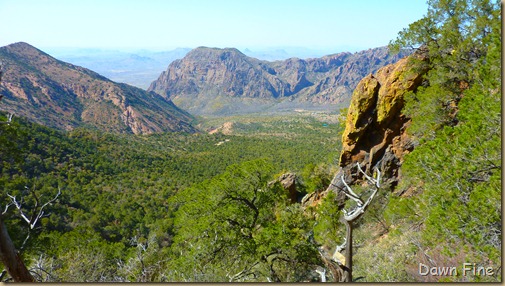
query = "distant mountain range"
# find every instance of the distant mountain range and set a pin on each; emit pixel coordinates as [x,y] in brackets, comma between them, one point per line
[61,95]
[284,53]
[212,81]
[137,68]
[206,81]
[140,67]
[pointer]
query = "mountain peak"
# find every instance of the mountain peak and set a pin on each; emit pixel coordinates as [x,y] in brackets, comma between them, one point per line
[20,45]
[23,48]
[57,94]
[211,81]
[214,49]
[206,53]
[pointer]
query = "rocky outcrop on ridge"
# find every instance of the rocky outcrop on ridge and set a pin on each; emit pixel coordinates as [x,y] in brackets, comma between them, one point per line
[375,131]
[374,117]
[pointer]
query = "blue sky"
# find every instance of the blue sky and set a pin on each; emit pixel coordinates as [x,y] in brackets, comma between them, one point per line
[167,24]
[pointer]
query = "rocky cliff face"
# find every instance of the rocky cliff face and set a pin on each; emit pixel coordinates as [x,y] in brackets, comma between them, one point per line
[375,131]
[206,79]
[64,96]
[374,118]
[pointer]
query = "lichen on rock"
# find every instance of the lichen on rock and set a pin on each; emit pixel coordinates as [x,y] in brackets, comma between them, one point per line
[374,119]
[375,131]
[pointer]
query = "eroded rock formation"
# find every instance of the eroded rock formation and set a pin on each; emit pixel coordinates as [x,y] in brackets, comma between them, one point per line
[374,118]
[375,131]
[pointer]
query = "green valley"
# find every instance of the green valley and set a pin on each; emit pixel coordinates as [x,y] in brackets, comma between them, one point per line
[271,172]
[115,188]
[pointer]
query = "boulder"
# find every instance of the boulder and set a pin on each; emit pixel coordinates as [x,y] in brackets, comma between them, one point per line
[290,183]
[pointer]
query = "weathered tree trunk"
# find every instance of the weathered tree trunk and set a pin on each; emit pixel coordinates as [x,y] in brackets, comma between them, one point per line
[348,252]
[11,259]
[354,214]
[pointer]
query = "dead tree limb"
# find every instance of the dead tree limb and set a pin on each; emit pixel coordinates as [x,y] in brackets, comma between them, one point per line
[244,273]
[334,266]
[322,274]
[9,118]
[354,214]
[361,207]
[38,211]
[9,256]
[347,268]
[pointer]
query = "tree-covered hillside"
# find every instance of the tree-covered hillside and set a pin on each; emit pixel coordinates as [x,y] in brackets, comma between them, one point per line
[454,174]
[116,188]
[446,210]
[219,207]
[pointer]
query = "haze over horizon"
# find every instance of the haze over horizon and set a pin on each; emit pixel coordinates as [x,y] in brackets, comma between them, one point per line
[165,25]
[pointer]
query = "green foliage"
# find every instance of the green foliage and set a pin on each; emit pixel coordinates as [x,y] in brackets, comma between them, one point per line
[181,207]
[456,169]
[457,35]
[317,177]
[425,105]
[462,176]
[328,229]
[240,223]
[106,179]
[117,186]
[78,256]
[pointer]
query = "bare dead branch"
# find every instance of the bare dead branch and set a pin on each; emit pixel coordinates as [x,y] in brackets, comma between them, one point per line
[352,215]
[361,207]
[9,119]
[245,272]
[32,222]
[322,273]
[7,207]
[18,206]
[375,181]
[350,194]
[341,247]
[2,275]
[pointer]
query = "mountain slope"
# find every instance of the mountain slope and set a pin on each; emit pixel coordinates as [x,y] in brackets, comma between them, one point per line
[221,81]
[57,94]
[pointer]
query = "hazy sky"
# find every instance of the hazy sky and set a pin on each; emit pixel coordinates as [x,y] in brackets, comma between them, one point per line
[166,24]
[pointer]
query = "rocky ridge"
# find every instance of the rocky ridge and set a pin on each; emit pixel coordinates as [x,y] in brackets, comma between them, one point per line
[216,81]
[57,94]
[375,131]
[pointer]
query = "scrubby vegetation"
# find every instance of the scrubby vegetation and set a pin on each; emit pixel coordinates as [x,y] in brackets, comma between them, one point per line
[119,191]
[205,207]
[452,180]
